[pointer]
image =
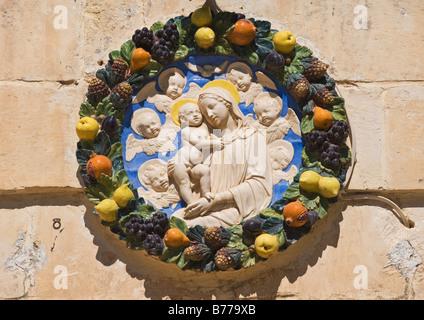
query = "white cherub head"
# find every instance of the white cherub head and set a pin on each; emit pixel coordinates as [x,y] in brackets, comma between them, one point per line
[267,107]
[172,81]
[241,75]
[146,123]
[153,175]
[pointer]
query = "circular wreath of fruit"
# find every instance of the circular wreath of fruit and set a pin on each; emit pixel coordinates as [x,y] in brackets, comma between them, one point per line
[326,154]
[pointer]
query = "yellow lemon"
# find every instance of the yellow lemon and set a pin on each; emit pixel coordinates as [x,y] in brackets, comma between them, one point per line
[329,187]
[309,180]
[87,128]
[107,209]
[266,245]
[204,37]
[123,195]
[202,17]
[284,42]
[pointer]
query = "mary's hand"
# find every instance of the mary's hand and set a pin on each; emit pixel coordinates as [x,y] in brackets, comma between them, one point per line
[197,208]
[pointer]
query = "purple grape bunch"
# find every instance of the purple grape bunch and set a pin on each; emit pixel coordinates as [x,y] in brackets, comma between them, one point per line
[327,143]
[338,132]
[315,139]
[330,154]
[165,41]
[143,39]
[153,244]
[149,231]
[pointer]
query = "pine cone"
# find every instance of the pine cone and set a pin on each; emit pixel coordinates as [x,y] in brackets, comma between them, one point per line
[216,237]
[97,91]
[314,70]
[120,67]
[196,251]
[124,90]
[226,258]
[323,97]
[299,88]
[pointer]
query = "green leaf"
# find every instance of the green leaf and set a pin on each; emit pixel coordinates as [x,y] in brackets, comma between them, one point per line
[115,54]
[292,192]
[249,259]
[302,52]
[307,124]
[83,155]
[180,224]
[158,25]
[221,22]
[102,143]
[309,158]
[173,255]
[345,154]
[270,212]
[264,47]
[281,237]
[126,50]
[322,208]
[86,110]
[181,53]
[116,150]
[146,211]
[236,240]
[263,26]
[272,225]
[104,189]
[338,112]
[253,58]
[310,200]
[120,178]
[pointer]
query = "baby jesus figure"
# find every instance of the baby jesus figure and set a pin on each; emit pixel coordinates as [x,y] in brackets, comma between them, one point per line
[188,162]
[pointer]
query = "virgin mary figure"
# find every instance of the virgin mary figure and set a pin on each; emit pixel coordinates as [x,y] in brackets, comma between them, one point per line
[241,172]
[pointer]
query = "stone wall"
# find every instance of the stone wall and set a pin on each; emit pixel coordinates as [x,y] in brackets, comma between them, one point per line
[361,250]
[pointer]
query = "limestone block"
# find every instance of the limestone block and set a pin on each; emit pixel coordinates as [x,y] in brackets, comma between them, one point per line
[389,48]
[365,112]
[69,264]
[41,40]
[403,118]
[107,27]
[38,142]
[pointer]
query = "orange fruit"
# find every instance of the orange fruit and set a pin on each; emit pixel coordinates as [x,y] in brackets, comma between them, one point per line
[99,164]
[295,214]
[322,118]
[139,59]
[175,238]
[244,32]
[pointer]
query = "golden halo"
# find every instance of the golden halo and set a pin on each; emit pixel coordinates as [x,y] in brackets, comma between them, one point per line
[225,84]
[176,108]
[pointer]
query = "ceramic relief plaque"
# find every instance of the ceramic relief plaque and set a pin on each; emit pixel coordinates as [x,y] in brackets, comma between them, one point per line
[212,141]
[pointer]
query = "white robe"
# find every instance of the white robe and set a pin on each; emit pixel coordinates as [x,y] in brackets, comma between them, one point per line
[243,168]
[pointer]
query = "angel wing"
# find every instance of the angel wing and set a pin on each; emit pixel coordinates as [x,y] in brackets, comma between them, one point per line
[146,93]
[167,135]
[254,90]
[207,70]
[163,143]
[159,200]
[281,127]
[193,91]
[278,175]
[293,122]
[134,146]
[265,81]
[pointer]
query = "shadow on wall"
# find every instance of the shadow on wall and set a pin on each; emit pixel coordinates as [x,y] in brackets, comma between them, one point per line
[262,281]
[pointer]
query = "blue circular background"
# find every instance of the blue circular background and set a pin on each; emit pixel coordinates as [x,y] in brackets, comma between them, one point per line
[132,166]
